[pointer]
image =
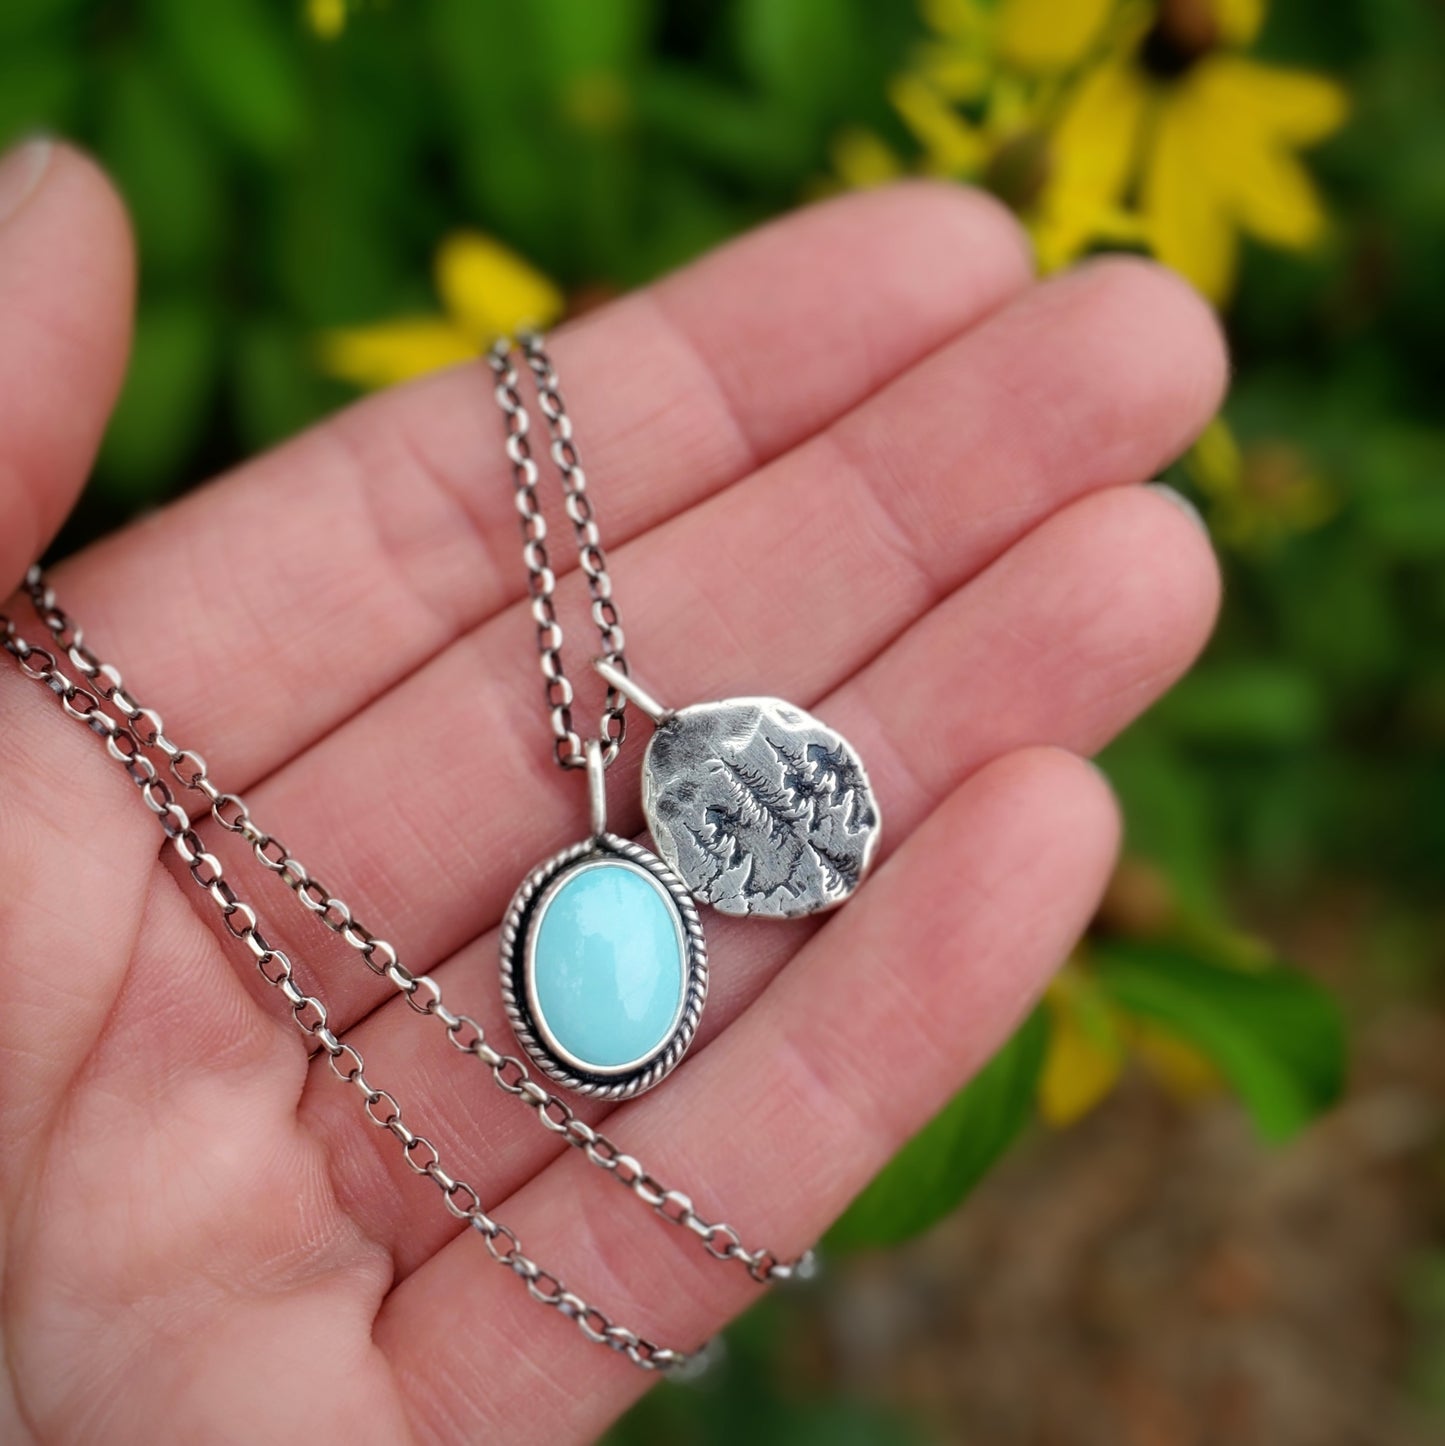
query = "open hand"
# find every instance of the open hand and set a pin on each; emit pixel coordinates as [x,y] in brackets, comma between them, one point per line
[859,458]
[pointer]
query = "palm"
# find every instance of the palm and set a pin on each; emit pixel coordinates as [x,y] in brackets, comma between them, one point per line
[857,459]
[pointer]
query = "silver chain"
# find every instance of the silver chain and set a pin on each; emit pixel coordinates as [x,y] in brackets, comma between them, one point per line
[144,729]
[567,747]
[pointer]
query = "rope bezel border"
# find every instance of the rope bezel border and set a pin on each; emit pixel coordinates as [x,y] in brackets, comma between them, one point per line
[513,956]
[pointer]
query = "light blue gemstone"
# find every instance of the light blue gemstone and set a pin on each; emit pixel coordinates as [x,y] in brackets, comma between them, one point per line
[608,964]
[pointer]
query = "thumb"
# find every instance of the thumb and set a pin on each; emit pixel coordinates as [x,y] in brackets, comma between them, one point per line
[65,306]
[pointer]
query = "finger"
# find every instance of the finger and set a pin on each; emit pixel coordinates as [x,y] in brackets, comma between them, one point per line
[1065,639]
[65,294]
[321,574]
[861,528]
[783,1120]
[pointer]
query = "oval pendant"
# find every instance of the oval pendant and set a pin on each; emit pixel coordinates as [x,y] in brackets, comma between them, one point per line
[604,967]
[759,807]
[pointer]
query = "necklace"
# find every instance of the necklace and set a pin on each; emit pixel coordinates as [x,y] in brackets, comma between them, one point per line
[132,741]
[756,807]
[134,738]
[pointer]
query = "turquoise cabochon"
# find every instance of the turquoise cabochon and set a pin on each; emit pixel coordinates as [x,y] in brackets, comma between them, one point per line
[607,966]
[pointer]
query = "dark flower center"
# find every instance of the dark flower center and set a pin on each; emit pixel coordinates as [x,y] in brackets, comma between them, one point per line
[1185,31]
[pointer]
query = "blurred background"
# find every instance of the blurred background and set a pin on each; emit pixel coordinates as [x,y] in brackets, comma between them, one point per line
[1206,1182]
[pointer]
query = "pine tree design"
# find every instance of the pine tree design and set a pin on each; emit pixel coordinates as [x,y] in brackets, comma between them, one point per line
[759,807]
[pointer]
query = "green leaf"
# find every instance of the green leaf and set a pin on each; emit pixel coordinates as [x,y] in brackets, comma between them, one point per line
[169,175]
[40,89]
[165,404]
[683,217]
[1260,703]
[1403,507]
[752,137]
[754,1394]
[579,37]
[1169,815]
[19,19]
[494,67]
[1274,1034]
[804,52]
[933,1172]
[277,391]
[242,67]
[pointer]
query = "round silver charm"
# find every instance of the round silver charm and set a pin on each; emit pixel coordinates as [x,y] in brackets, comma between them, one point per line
[554,1035]
[758,807]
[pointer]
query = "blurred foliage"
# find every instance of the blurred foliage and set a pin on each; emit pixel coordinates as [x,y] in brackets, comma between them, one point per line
[756,1390]
[929,1176]
[362,190]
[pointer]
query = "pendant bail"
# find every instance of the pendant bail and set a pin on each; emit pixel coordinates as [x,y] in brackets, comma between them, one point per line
[597,786]
[622,682]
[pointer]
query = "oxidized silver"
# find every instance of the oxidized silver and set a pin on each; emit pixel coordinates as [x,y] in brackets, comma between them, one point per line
[128,743]
[759,807]
[567,745]
[518,957]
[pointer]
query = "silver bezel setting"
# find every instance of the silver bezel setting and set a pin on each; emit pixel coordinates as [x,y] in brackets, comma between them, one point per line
[517,944]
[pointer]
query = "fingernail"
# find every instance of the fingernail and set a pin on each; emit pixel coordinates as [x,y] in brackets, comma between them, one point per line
[1179,500]
[21,172]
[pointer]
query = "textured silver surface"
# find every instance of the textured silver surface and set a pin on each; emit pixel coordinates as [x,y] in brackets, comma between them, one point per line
[758,807]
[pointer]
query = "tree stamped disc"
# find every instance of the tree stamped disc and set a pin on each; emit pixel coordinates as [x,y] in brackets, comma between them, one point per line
[759,807]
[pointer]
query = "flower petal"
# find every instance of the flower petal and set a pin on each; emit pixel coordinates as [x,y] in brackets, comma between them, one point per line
[956,19]
[1092,157]
[1190,227]
[1290,107]
[1049,35]
[1254,115]
[953,147]
[1274,199]
[393,351]
[957,72]
[1239,21]
[489,290]
[861,159]
[1214,462]
[1095,147]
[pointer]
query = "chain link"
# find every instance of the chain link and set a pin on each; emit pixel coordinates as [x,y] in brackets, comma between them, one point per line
[421,991]
[144,728]
[460,1199]
[568,747]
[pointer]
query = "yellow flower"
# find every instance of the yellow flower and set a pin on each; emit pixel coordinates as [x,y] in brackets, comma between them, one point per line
[1221,165]
[1198,139]
[1049,35]
[1093,153]
[1086,1049]
[486,291]
[952,145]
[1117,123]
[862,159]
